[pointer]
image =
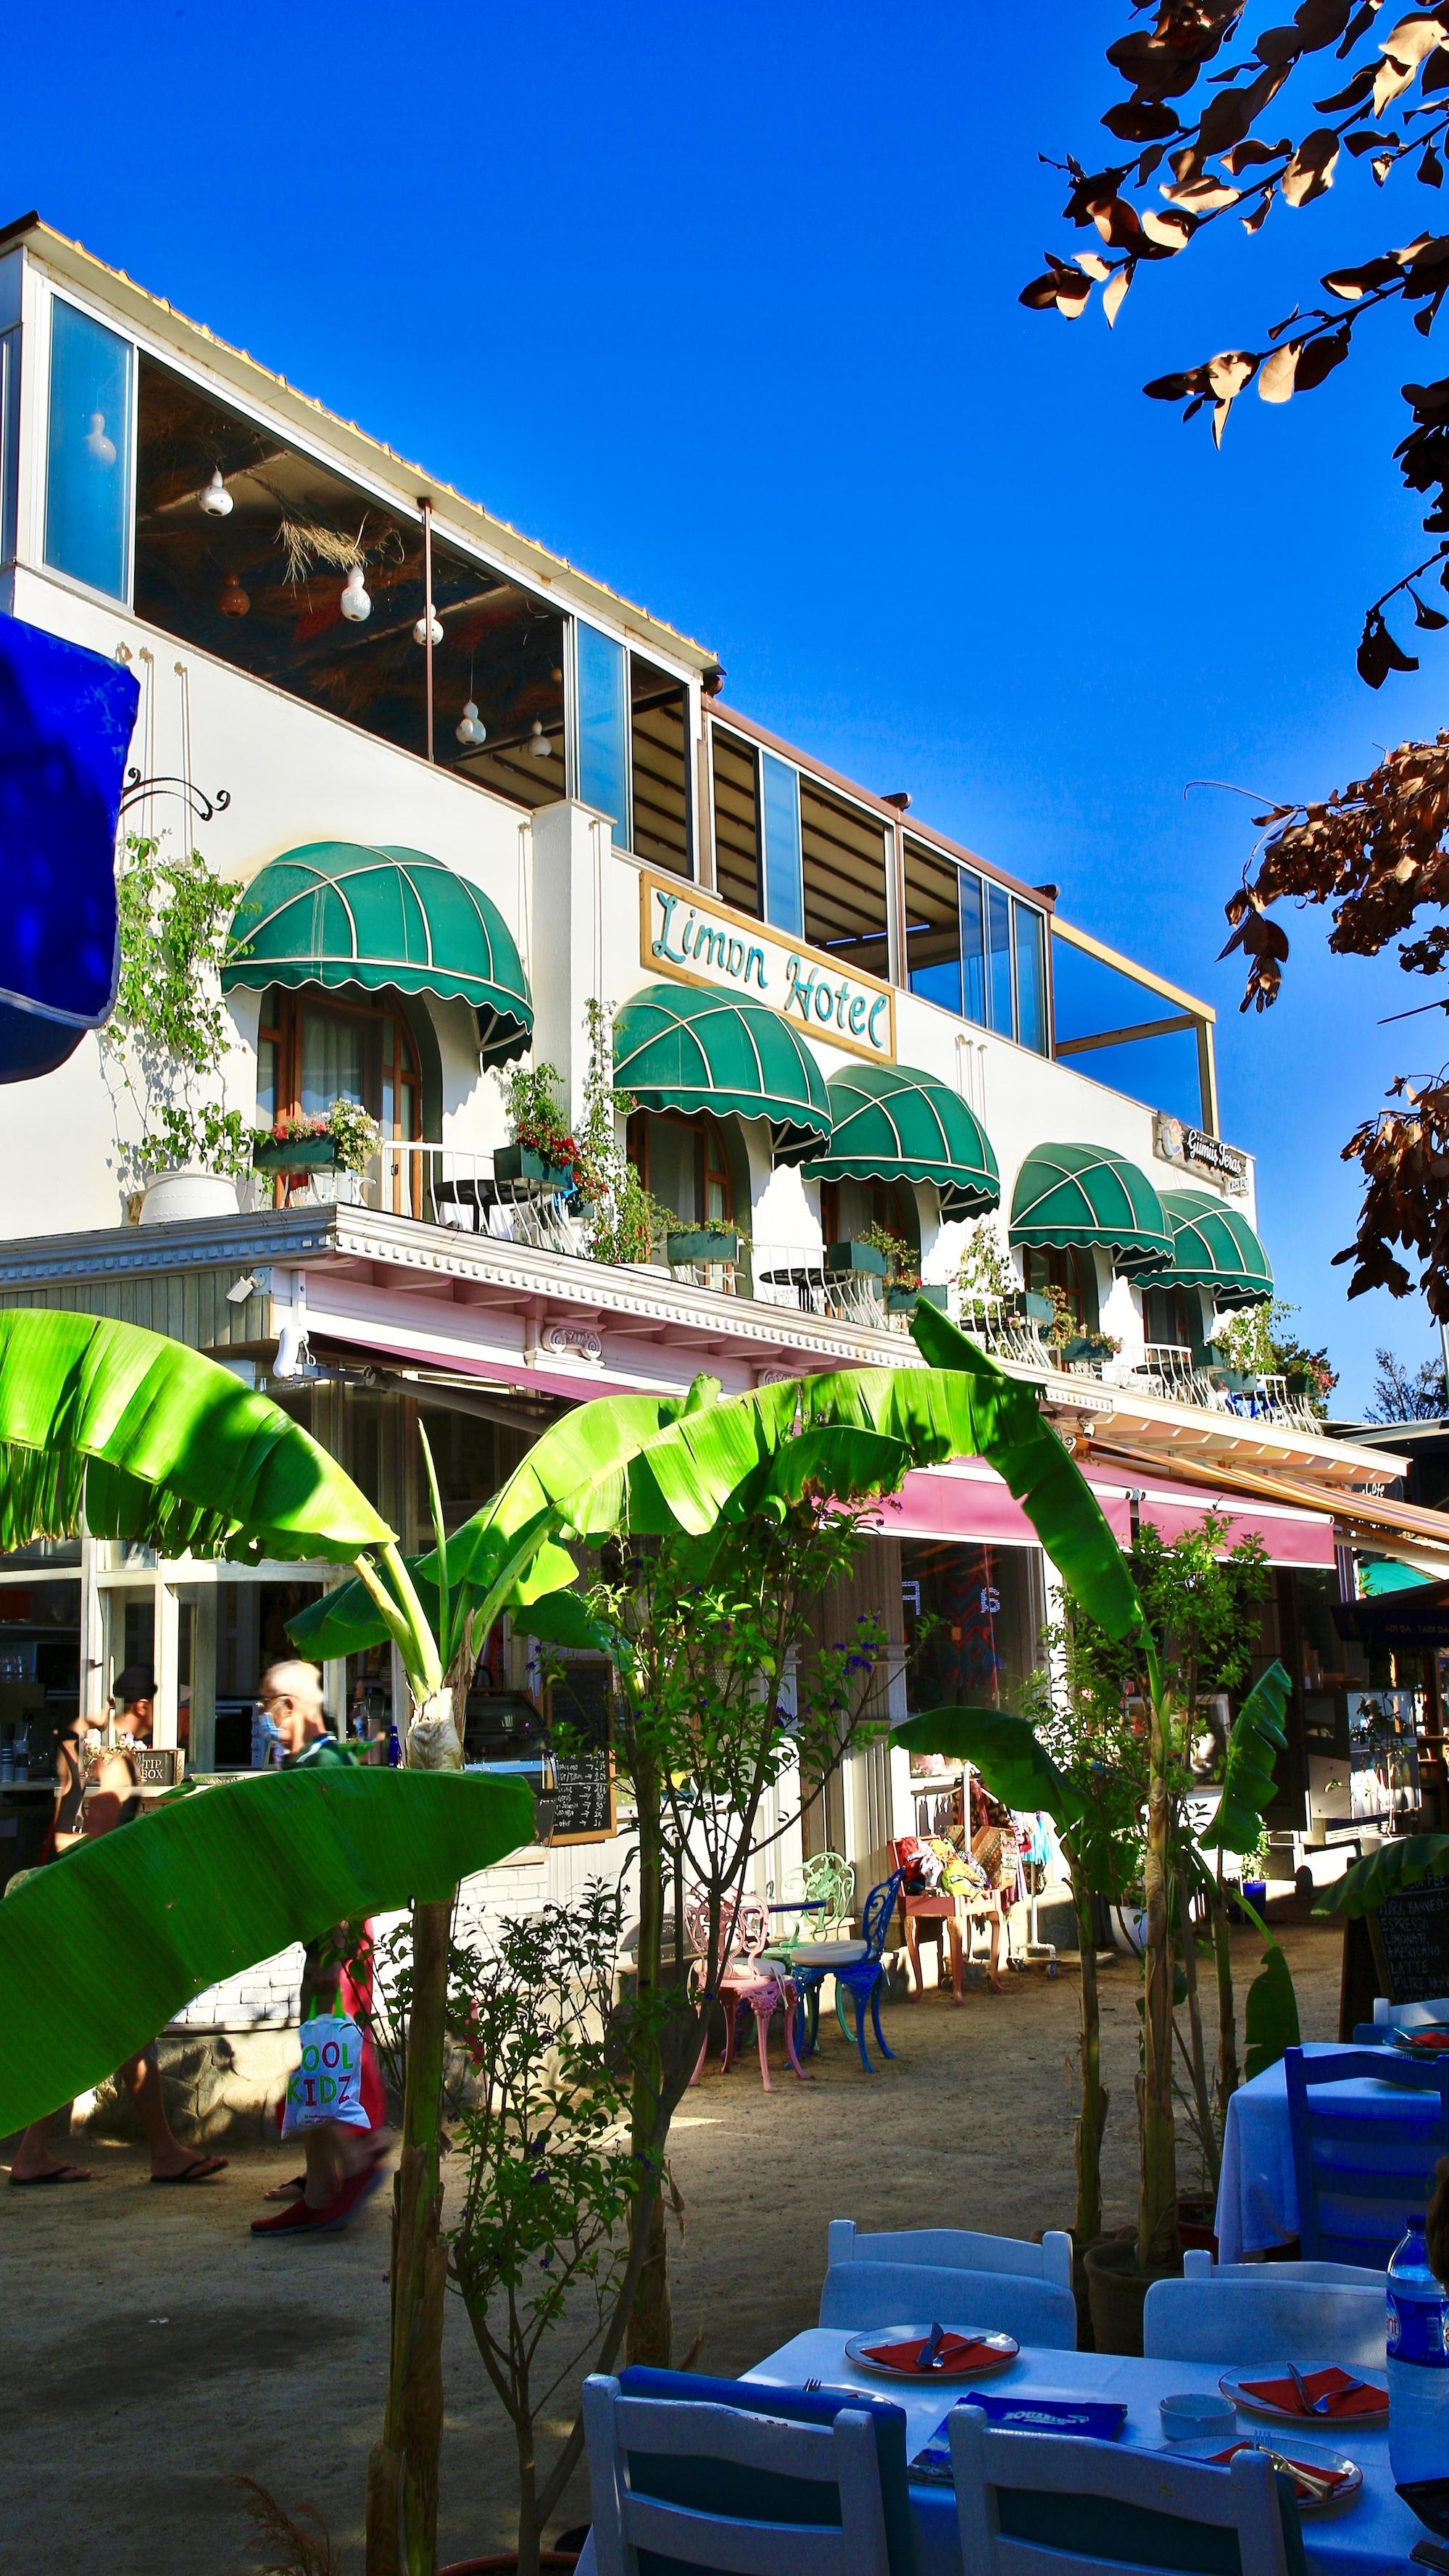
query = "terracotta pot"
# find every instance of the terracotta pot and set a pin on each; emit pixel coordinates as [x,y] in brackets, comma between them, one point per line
[502,2560]
[1118,2292]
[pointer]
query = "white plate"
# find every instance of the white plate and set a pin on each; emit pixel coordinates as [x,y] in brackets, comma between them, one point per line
[1231,2384]
[1312,2455]
[1004,2349]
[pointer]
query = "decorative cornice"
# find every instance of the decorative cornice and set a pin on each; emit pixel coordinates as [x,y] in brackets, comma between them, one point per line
[211,1243]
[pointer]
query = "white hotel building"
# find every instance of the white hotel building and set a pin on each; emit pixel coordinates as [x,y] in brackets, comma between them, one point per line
[830,1016]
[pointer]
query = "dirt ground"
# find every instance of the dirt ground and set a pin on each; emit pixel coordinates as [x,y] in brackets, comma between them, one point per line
[152,2351]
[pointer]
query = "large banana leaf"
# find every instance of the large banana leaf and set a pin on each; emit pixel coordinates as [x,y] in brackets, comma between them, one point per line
[1386,1872]
[126,1433]
[1258,1736]
[1010,1434]
[1270,2012]
[1014,1765]
[138,1922]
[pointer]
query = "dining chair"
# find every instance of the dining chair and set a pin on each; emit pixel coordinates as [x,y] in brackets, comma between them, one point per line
[1026,2502]
[710,2486]
[746,1979]
[1362,2166]
[857,2295]
[1198,2265]
[1234,2319]
[1391,2017]
[956,2249]
[861,1978]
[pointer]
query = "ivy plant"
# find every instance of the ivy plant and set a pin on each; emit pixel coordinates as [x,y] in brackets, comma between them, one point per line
[166,1041]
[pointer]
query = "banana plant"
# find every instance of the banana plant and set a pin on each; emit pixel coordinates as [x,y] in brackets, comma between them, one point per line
[1018,1770]
[1257,1737]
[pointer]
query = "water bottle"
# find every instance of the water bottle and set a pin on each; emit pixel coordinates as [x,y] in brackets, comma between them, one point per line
[1418,2362]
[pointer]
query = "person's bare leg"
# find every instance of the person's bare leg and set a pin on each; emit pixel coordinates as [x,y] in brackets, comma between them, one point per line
[996,1929]
[33,2159]
[142,2079]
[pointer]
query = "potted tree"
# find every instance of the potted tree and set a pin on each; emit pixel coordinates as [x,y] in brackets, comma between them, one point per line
[163,1049]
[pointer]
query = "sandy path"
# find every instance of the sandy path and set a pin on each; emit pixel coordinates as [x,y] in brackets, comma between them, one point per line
[151,2350]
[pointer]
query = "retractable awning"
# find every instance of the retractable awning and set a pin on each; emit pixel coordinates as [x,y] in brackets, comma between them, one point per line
[340,913]
[1085,1195]
[1213,1247]
[892,1123]
[676,1047]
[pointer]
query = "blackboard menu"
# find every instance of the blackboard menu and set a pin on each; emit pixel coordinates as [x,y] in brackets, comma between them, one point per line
[580,1711]
[1410,1935]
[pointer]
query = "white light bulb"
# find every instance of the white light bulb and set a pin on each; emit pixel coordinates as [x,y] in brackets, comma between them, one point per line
[539,744]
[216,501]
[420,631]
[98,446]
[356,604]
[468,729]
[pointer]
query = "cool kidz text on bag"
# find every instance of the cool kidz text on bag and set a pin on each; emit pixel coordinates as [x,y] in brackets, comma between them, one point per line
[327,2083]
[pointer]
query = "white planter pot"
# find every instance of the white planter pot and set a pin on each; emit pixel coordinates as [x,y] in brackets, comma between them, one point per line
[1129,1930]
[174,1197]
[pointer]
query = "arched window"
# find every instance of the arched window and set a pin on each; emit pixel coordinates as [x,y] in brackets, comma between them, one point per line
[314,1047]
[1074,1272]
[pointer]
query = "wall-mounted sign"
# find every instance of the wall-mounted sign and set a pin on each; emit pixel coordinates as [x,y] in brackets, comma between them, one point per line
[699,940]
[1197,1152]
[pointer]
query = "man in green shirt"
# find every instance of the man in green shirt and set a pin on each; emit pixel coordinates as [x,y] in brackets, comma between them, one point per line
[344,2165]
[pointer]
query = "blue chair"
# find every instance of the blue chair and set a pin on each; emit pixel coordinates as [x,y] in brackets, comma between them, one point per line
[862,1978]
[677,2484]
[1361,2168]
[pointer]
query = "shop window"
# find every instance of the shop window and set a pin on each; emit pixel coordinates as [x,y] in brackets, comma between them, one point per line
[39,1671]
[843,856]
[1074,1273]
[973,1617]
[1172,1317]
[261,587]
[684,1163]
[88,451]
[251,1634]
[780,803]
[603,738]
[736,780]
[659,760]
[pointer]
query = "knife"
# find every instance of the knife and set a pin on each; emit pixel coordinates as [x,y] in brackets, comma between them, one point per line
[930,2356]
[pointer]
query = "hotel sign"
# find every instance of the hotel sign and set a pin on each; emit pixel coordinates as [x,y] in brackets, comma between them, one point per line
[699,940]
[1197,1152]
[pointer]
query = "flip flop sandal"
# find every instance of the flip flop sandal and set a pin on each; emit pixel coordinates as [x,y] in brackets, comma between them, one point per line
[293,2188]
[201,2169]
[58,2173]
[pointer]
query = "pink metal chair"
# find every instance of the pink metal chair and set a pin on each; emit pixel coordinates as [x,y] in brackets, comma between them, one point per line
[746,1978]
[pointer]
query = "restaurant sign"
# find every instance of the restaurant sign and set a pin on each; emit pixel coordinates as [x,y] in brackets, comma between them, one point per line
[1197,1152]
[699,940]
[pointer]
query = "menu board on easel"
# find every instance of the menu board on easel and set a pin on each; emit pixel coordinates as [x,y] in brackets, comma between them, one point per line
[580,1707]
[1410,1936]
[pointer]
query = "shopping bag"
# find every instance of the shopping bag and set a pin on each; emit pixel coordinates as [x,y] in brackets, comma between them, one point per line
[327,2083]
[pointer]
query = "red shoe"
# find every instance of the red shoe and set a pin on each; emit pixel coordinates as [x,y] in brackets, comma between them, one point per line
[300,2219]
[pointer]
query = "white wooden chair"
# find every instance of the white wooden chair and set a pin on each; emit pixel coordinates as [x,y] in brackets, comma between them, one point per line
[958,2249]
[719,2452]
[1198,2265]
[1037,2504]
[885,2294]
[1233,2317]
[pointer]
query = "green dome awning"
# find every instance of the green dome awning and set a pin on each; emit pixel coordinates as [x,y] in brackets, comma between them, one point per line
[894,1124]
[1215,1248]
[1086,1194]
[676,1047]
[339,913]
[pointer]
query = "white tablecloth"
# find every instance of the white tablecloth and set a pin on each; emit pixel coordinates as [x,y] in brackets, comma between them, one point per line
[1257,2197]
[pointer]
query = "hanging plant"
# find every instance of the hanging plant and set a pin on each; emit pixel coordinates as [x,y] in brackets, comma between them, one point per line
[166,1040]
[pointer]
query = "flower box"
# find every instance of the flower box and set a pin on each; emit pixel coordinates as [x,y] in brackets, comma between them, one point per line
[694,1243]
[521,1167]
[840,1258]
[295,1154]
[904,1301]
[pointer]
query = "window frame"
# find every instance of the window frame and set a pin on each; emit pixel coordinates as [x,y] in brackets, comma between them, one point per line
[76,303]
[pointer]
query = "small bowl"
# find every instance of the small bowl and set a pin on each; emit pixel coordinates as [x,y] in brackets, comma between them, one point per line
[1200,2416]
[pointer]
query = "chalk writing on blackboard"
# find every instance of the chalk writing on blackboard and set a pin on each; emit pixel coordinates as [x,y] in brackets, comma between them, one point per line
[580,1719]
[1410,1933]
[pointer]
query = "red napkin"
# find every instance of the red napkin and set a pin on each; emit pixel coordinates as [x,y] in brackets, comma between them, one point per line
[1333,2479]
[1332,2384]
[957,2354]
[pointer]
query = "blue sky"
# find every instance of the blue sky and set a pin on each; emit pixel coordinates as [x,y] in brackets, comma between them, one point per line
[723,306]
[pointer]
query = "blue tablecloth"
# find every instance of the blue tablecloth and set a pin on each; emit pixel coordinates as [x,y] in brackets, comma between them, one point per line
[1257,2197]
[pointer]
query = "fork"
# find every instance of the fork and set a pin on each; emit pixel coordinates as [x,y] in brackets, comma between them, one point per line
[1323,2405]
[810,2386]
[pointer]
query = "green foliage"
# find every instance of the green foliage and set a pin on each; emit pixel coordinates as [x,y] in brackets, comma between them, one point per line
[535,1118]
[209,1884]
[986,1274]
[167,1037]
[1201,1612]
[1257,1341]
[128,1433]
[1258,1736]
[1394,1866]
[354,1132]
[1270,2012]
[1006,1751]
